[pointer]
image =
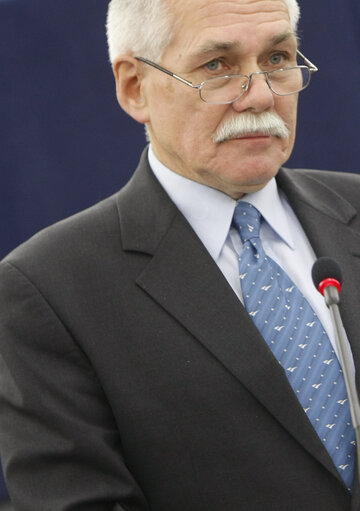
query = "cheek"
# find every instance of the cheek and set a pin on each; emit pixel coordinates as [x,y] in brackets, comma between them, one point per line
[177,111]
[287,109]
[191,124]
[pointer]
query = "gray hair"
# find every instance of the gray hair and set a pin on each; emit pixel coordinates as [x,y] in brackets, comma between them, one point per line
[139,27]
[146,27]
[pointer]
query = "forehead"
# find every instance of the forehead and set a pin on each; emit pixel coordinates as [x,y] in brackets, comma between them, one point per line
[248,22]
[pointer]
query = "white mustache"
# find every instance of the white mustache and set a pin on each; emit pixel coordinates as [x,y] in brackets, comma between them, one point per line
[247,123]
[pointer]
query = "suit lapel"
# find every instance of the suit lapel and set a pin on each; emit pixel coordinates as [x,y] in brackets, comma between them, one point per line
[185,281]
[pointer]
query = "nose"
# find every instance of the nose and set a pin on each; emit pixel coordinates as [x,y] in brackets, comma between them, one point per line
[258,96]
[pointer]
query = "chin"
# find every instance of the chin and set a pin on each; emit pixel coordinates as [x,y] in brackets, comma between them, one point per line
[255,173]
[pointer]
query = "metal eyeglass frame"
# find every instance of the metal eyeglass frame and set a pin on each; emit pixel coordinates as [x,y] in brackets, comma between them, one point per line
[312,69]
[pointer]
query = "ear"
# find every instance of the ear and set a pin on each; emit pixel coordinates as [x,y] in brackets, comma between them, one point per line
[129,88]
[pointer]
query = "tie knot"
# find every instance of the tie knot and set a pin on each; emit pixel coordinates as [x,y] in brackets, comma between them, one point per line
[247,220]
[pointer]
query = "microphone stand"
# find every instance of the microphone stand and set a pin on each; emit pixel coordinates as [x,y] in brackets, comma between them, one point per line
[332,299]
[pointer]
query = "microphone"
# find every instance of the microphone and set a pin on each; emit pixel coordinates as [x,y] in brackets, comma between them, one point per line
[327,278]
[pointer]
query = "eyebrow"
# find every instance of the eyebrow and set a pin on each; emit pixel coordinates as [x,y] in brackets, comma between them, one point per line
[284,36]
[210,47]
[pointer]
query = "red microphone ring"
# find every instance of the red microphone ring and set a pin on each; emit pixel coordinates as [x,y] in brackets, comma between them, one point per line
[329,282]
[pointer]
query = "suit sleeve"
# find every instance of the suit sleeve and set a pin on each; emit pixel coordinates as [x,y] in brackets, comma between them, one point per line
[60,446]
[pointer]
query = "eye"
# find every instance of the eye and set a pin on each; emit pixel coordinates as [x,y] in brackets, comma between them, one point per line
[277,59]
[213,65]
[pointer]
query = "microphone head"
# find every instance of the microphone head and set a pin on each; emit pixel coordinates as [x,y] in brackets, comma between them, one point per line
[325,268]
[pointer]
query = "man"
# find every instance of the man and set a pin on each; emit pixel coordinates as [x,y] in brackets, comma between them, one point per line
[132,375]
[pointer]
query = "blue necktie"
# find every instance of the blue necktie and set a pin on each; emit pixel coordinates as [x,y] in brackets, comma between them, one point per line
[298,341]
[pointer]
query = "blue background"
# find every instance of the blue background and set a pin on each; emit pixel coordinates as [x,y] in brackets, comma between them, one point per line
[66,144]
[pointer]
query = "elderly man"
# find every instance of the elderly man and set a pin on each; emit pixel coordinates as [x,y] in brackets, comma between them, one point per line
[138,371]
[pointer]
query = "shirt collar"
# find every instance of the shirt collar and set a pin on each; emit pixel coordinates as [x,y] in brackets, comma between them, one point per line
[210,212]
[270,201]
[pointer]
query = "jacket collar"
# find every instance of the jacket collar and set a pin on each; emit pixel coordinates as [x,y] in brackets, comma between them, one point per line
[143,203]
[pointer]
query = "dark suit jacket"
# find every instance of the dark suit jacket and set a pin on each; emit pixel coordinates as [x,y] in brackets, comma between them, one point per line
[131,377]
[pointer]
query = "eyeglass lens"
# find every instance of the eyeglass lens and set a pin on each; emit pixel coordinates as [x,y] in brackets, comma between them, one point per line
[229,89]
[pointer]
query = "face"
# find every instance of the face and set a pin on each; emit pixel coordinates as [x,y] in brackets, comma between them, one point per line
[215,38]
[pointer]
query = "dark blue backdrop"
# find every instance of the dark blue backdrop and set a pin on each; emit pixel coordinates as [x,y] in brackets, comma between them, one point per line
[65,143]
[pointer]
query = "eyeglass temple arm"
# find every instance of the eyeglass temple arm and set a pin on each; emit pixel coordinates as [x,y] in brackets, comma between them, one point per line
[153,64]
[311,66]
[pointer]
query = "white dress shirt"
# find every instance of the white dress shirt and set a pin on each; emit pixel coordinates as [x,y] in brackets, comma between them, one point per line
[210,212]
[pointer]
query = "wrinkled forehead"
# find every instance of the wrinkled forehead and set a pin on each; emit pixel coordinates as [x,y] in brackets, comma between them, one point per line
[231,20]
[188,10]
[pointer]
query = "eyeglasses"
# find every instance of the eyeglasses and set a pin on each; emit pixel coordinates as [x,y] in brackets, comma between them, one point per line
[223,90]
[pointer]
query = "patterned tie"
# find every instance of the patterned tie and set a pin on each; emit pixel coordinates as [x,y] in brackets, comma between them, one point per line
[298,341]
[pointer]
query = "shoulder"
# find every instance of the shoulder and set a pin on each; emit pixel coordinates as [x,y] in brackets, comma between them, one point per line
[327,177]
[87,232]
[332,178]
[324,183]
[68,241]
